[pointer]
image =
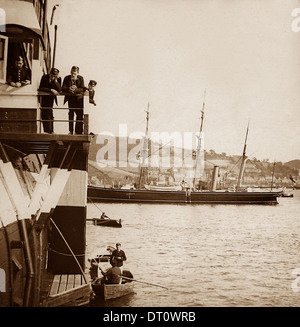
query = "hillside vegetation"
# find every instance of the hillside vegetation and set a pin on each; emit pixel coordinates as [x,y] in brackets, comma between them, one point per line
[108,167]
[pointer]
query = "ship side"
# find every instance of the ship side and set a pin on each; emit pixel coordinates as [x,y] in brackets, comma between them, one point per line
[43,177]
[114,195]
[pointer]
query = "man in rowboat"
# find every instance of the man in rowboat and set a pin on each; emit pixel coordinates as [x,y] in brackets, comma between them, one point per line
[104,216]
[112,276]
[119,256]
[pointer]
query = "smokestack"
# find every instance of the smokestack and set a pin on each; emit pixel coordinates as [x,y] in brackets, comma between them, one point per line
[215,178]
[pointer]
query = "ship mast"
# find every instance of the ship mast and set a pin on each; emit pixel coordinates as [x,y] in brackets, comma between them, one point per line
[144,152]
[199,145]
[273,175]
[244,159]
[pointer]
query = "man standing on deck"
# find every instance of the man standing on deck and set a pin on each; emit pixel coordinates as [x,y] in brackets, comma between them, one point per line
[73,86]
[119,256]
[52,84]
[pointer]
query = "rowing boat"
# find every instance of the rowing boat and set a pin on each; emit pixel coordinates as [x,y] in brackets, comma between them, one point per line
[107,222]
[113,291]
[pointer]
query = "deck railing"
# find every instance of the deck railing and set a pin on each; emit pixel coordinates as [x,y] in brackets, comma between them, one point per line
[25,116]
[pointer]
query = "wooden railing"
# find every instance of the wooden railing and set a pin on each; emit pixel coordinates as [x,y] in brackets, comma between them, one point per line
[27,119]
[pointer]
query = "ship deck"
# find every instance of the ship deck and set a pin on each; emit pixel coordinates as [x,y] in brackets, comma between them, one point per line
[65,290]
[38,142]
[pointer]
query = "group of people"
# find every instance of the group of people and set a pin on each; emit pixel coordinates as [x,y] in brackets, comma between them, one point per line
[72,86]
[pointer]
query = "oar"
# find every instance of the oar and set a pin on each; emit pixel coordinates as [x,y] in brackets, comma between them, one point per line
[95,204]
[139,281]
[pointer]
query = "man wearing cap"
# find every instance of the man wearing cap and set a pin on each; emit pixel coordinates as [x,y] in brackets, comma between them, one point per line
[19,75]
[91,89]
[50,83]
[73,86]
[118,255]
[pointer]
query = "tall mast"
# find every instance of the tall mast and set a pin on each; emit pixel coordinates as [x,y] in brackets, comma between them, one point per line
[199,138]
[244,158]
[144,152]
[273,174]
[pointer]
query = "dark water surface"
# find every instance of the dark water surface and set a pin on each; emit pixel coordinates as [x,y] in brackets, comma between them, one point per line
[207,255]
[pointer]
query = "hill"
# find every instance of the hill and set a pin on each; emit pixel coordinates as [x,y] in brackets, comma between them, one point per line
[295,164]
[116,160]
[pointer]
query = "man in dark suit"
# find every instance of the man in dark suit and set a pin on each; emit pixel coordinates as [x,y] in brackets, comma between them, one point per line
[19,75]
[118,255]
[73,86]
[50,83]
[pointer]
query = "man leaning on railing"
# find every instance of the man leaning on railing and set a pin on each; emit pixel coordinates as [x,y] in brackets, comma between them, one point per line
[19,75]
[50,83]
[73,85]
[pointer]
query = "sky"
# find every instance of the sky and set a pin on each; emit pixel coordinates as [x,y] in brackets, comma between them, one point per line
[243,54]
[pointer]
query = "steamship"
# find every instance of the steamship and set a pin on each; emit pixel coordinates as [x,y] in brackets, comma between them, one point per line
[187,195]
[43,177]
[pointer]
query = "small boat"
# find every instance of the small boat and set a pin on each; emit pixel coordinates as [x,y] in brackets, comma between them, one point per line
[95,259]
[100,258]
[287,195]
[107,222]
[163,187]
[113,291]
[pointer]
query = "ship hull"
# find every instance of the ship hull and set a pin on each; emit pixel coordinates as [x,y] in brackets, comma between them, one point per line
[43,176]
[180,197]
[42,219]
[12,263]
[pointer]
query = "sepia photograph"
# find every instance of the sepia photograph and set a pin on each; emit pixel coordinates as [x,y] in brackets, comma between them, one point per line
[149,156]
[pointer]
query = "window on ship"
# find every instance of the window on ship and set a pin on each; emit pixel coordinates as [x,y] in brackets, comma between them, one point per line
[10,49]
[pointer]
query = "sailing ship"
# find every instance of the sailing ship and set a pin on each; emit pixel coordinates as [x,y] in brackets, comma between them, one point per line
[145,193]
[42,177]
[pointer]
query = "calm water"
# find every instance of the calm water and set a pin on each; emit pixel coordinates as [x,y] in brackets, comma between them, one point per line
[207,255]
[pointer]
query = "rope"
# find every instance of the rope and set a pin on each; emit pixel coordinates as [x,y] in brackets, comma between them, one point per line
[73,255]
[65,254]
[95,204]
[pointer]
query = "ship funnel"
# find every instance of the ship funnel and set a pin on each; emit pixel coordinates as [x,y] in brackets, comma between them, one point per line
[215,178]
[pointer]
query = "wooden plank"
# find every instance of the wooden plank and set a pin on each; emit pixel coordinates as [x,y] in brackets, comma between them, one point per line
[14,189]
[70,283]
[63,283]
[75,297]
[44,137]
[77,280]
[55,285]
[112,291]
